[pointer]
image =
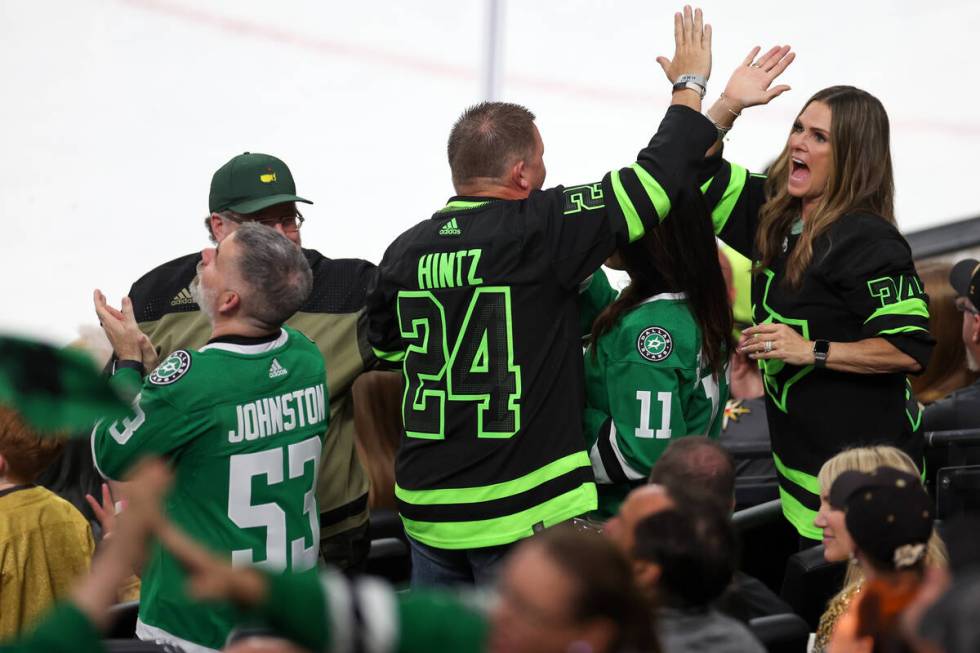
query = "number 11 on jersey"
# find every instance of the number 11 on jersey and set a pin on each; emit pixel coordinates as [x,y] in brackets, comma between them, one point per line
[644,430]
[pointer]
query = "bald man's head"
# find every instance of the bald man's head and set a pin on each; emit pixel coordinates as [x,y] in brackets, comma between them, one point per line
[696,462]
[639,504]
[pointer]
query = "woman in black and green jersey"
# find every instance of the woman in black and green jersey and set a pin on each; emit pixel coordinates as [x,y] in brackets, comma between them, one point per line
[840,313]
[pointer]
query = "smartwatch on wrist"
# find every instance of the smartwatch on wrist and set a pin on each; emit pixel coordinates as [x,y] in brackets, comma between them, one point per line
[820,350]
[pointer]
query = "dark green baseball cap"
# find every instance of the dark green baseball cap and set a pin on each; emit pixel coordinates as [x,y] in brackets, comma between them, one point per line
[251,182]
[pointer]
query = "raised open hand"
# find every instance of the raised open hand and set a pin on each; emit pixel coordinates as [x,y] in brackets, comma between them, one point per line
[692,46]
[750,84]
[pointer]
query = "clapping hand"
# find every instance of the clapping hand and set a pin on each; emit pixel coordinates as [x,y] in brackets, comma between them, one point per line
[692,47]
[128,342]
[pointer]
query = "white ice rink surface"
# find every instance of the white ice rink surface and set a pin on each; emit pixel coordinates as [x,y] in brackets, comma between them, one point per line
[115,113]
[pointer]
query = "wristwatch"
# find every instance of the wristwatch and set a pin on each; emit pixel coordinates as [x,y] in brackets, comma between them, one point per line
[129,364]
[820,350]
[696,83]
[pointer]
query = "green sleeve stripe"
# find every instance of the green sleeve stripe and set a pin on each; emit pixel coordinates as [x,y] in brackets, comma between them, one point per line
[904,329]
[723,210]
[390,356]
[809,483]
[706,185]
[799,516]
[913,307]
[654,190]
[634,225]
[496,491]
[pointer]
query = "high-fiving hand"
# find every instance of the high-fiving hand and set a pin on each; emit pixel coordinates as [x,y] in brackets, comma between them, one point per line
[749,84]
[692,46]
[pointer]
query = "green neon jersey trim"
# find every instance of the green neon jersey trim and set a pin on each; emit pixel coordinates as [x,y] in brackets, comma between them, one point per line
[809,483]
[913,306]
[507,529]
[799,516]
[723,210]
[634,225]
[454,496]
[772,367]
[459,205]
[904,329]
[657,194]
[392,356]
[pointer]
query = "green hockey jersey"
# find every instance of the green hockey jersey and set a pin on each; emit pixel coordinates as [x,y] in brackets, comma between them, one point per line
[242,422]
[645,385]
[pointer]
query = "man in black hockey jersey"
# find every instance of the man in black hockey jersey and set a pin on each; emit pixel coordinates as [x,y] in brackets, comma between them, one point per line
[478,305]
[254,187]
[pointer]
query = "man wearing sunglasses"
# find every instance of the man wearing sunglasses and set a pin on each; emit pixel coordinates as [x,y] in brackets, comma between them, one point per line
[254,187]
[961,409]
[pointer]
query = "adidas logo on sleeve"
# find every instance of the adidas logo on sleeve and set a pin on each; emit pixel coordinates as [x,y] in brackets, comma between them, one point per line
[450,229]
[276,370]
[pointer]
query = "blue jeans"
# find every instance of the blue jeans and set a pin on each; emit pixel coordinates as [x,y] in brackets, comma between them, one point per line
[432,567]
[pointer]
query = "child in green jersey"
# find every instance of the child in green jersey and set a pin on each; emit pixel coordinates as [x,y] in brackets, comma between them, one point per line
[657,363]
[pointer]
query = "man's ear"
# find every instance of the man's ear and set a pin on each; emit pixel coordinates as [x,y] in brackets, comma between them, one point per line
[518,177]
[228,302]
[219,229]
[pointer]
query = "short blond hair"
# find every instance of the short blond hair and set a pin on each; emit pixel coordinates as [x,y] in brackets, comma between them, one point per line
[868,459]
[864,459]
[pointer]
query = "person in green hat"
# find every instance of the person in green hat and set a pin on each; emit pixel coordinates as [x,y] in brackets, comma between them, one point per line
[254,187]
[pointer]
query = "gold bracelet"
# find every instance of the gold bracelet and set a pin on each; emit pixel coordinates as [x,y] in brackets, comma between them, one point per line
[730,110]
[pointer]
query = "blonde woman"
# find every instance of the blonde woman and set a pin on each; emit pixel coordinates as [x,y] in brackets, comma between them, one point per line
[837,542]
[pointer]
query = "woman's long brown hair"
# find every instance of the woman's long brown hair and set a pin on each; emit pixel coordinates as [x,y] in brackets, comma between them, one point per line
[680,255]
[860,179]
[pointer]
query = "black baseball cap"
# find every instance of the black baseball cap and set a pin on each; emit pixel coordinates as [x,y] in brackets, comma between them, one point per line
[888,514]
[965,280]
[251,182]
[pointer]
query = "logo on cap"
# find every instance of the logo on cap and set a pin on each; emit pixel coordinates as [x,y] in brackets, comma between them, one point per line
[268,178]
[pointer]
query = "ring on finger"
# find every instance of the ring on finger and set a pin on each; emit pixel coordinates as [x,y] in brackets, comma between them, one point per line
[768,346]
[755,65]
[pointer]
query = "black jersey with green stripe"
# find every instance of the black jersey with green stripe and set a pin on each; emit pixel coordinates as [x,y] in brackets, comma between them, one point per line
[860,284]
[479,306]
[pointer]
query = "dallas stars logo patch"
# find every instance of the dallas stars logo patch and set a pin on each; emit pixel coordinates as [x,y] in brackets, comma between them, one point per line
[174,367]
[654,344]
